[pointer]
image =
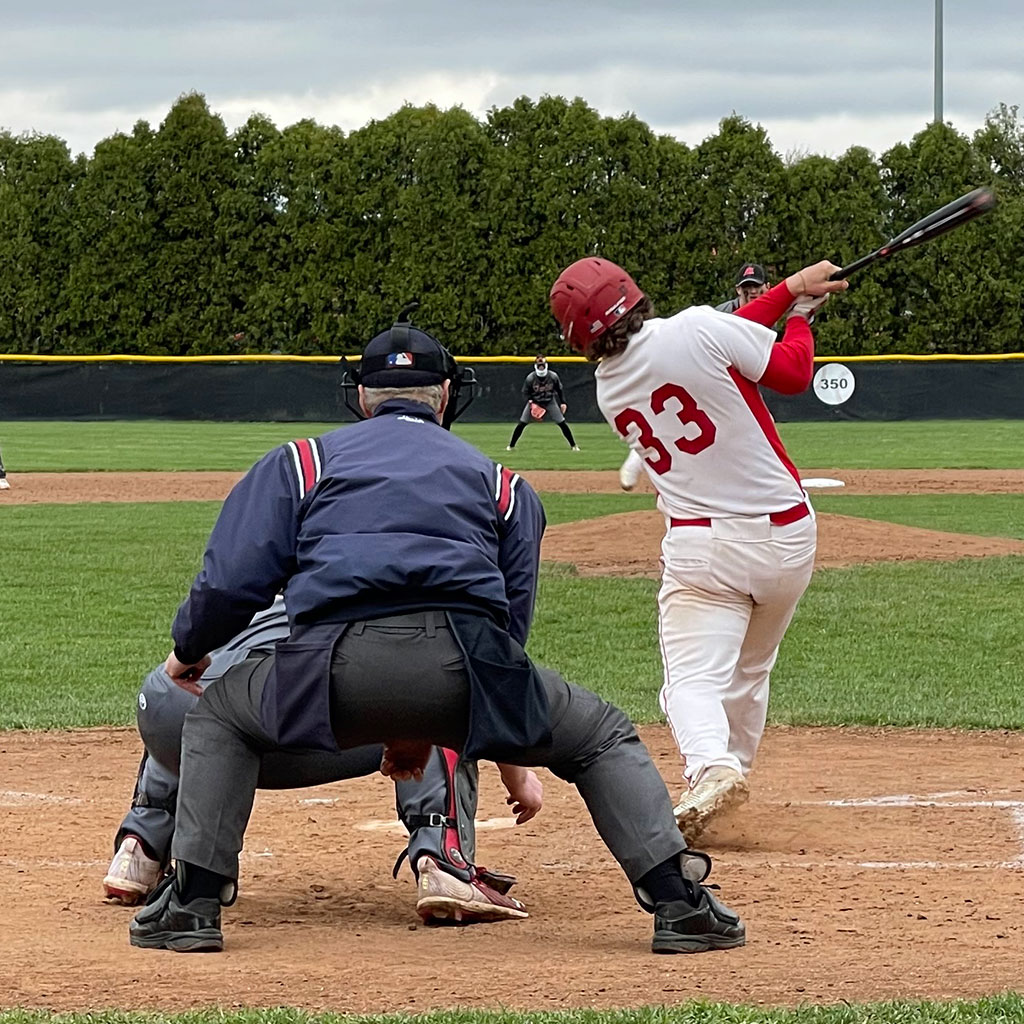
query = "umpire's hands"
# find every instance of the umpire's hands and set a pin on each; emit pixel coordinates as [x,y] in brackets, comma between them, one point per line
[525,791]
[184,675]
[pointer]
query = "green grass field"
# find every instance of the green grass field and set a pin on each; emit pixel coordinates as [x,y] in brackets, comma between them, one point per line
[90,590]
[1006,1009]
[169,445]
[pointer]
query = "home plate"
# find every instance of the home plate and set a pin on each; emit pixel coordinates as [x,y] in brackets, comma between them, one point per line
[821,481]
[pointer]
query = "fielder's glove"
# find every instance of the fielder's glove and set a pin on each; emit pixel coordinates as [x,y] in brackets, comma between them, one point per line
[537,411]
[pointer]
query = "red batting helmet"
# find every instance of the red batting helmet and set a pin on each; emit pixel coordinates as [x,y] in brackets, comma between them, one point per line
[589,296]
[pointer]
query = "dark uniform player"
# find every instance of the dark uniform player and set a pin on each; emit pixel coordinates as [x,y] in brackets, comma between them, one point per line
[410,564]
[4,482]
[438,811]
[751,281]
[544,397]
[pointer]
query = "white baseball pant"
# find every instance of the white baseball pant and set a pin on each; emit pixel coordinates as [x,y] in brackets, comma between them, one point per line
[728,593]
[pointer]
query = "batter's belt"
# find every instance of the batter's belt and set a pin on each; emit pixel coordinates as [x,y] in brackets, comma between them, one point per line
[783,518]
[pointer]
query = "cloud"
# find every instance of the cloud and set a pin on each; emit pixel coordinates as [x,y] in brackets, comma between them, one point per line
[820,75]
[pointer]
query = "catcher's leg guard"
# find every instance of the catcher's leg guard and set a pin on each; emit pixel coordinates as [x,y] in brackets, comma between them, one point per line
[438,811]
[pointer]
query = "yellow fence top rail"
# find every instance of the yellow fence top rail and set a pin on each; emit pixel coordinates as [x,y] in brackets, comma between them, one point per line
[25,357]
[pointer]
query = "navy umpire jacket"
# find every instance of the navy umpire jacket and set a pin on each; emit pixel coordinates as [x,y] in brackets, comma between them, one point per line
[390,515]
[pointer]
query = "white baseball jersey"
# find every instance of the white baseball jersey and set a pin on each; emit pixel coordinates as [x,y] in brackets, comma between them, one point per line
[683,395]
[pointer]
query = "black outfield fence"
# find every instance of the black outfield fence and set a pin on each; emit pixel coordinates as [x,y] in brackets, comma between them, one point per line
[308,389]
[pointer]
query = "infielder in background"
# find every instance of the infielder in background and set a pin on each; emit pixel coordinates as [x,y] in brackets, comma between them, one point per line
[544,397]
[410,565]
[438,810]
[751,281]
[740,540]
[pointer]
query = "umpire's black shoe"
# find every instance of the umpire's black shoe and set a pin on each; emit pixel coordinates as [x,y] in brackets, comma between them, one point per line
[165,923]
[680,927]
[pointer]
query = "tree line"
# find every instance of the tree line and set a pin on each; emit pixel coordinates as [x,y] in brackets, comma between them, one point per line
[189,239]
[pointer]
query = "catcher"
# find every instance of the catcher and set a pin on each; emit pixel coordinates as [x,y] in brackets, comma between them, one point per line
[438,810]
[544,397]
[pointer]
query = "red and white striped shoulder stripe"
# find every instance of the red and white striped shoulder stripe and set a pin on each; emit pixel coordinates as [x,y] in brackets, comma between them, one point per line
[307,461]
[505,483]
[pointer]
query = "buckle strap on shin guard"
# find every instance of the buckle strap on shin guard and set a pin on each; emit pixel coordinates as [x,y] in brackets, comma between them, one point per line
[168,804]
[415,821]
[398,863]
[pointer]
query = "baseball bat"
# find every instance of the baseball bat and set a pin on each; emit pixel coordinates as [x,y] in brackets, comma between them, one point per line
[952,215]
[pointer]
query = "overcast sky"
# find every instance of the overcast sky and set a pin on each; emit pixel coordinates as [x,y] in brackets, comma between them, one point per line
[819,76]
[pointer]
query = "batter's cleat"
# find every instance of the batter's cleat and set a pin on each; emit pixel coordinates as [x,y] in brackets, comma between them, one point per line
[680,927]
[132,875]
[166,923]
[718,789]
[4,485]
[445,899]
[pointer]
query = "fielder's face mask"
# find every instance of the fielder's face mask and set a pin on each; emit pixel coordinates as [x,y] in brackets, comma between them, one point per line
[406,357]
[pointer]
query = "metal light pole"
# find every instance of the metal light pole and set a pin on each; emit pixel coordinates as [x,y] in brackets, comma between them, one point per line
[938,60]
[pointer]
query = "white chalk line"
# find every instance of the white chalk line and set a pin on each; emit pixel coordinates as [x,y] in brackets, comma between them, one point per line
[935,801]
[908,800]
[28,865]
[14,798]
[769,860]
[899,800]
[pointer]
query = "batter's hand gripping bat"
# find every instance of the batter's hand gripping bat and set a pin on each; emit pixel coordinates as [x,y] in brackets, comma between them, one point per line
[948,217]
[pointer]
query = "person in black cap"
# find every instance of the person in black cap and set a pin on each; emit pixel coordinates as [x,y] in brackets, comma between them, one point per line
[409,562]
[751,281]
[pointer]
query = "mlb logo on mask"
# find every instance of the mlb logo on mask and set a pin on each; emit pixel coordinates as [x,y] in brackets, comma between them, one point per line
[399,359]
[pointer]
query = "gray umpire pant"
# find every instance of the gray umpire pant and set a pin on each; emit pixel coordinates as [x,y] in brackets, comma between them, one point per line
[162,707]
[403,678]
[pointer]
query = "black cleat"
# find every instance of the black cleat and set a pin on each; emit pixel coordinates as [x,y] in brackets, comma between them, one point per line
[165,923]
[680,927]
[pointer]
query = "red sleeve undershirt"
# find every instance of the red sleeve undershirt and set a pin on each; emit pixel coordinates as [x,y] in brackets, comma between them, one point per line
[791,363]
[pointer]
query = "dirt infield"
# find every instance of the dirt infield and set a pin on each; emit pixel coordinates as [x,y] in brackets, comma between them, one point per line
[869,864]
[898,871]
[33,488]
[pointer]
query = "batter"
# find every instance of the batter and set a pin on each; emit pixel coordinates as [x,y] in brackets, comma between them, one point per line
[740,531]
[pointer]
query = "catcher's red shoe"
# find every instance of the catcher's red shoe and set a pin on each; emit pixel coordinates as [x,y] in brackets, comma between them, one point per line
[445,899]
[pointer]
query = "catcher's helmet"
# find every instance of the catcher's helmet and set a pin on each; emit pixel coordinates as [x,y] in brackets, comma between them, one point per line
[589,296]
[406,357]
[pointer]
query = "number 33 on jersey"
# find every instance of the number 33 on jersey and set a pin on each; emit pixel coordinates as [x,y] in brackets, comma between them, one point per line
[686,399]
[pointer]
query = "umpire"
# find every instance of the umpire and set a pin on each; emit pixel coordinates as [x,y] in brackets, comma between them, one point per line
[409,562]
